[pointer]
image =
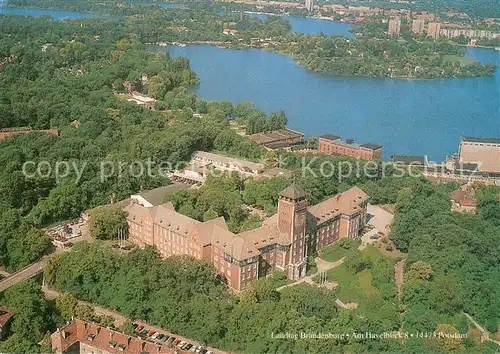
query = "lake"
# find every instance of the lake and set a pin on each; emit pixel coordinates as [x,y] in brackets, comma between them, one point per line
[414,117]
[313,25]
[56,15]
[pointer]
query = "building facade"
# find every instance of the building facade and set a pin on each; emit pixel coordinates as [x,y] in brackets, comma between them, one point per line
[334,145]
[418,27]
[433,30]
[283,242]
[484,152]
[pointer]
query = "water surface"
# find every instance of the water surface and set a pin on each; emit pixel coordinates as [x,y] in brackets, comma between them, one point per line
[405,116]
[313,26]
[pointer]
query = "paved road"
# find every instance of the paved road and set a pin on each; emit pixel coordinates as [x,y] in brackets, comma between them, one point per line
[21,275]
[27,272]
[120,319]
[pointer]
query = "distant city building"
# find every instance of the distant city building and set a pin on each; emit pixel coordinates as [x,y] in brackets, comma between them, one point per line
[468,33]
[283,242]
[334,145]
[310,5]
[483,152]
[418,27]
[394,27]
[433,29]
[278,139]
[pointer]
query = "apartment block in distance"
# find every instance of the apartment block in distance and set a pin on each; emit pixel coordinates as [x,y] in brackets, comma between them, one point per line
[82,337]
[484,152]
[394,27]
[418,27]
[433,30]
[283,242]
[334,145]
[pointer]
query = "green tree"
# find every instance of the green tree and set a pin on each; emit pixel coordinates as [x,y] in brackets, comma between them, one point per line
[107,223]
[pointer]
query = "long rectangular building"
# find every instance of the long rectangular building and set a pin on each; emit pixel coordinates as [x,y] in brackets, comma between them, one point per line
[278,139]
[334,145]
[283,242]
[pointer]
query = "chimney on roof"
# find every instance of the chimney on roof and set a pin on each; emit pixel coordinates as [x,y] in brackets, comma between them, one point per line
[63,334]
[338,197]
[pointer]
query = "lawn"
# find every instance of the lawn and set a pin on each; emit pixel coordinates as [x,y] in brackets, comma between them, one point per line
[340,249]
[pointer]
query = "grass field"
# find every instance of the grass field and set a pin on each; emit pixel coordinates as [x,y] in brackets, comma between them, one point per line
[357,287]
[337,251]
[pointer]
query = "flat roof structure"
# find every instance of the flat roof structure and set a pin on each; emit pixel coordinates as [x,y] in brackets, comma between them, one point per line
[480,140]
[410,160]
[266,138]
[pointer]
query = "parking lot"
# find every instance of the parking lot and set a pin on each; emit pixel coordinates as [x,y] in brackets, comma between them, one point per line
[378,224]
[159,336]
[66,234]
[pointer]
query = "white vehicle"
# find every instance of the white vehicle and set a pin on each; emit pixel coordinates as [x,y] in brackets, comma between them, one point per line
[181,344]
[155,335]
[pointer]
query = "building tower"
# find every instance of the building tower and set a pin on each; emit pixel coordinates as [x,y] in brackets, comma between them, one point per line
[394,27]
[433,30]
[292,213]
[418,27]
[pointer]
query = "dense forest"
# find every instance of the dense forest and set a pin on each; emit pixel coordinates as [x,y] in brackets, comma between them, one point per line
[380,58]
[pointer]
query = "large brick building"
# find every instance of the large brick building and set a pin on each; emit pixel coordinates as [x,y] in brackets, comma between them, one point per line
[283,242]
[484,152]
[334,145]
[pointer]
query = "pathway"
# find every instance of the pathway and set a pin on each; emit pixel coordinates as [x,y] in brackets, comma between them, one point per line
[26,273]
[322,267]
[399,276]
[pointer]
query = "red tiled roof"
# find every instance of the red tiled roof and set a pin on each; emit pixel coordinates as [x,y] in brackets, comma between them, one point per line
[5,316]
[346,203]
[468,202]
[104,339]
